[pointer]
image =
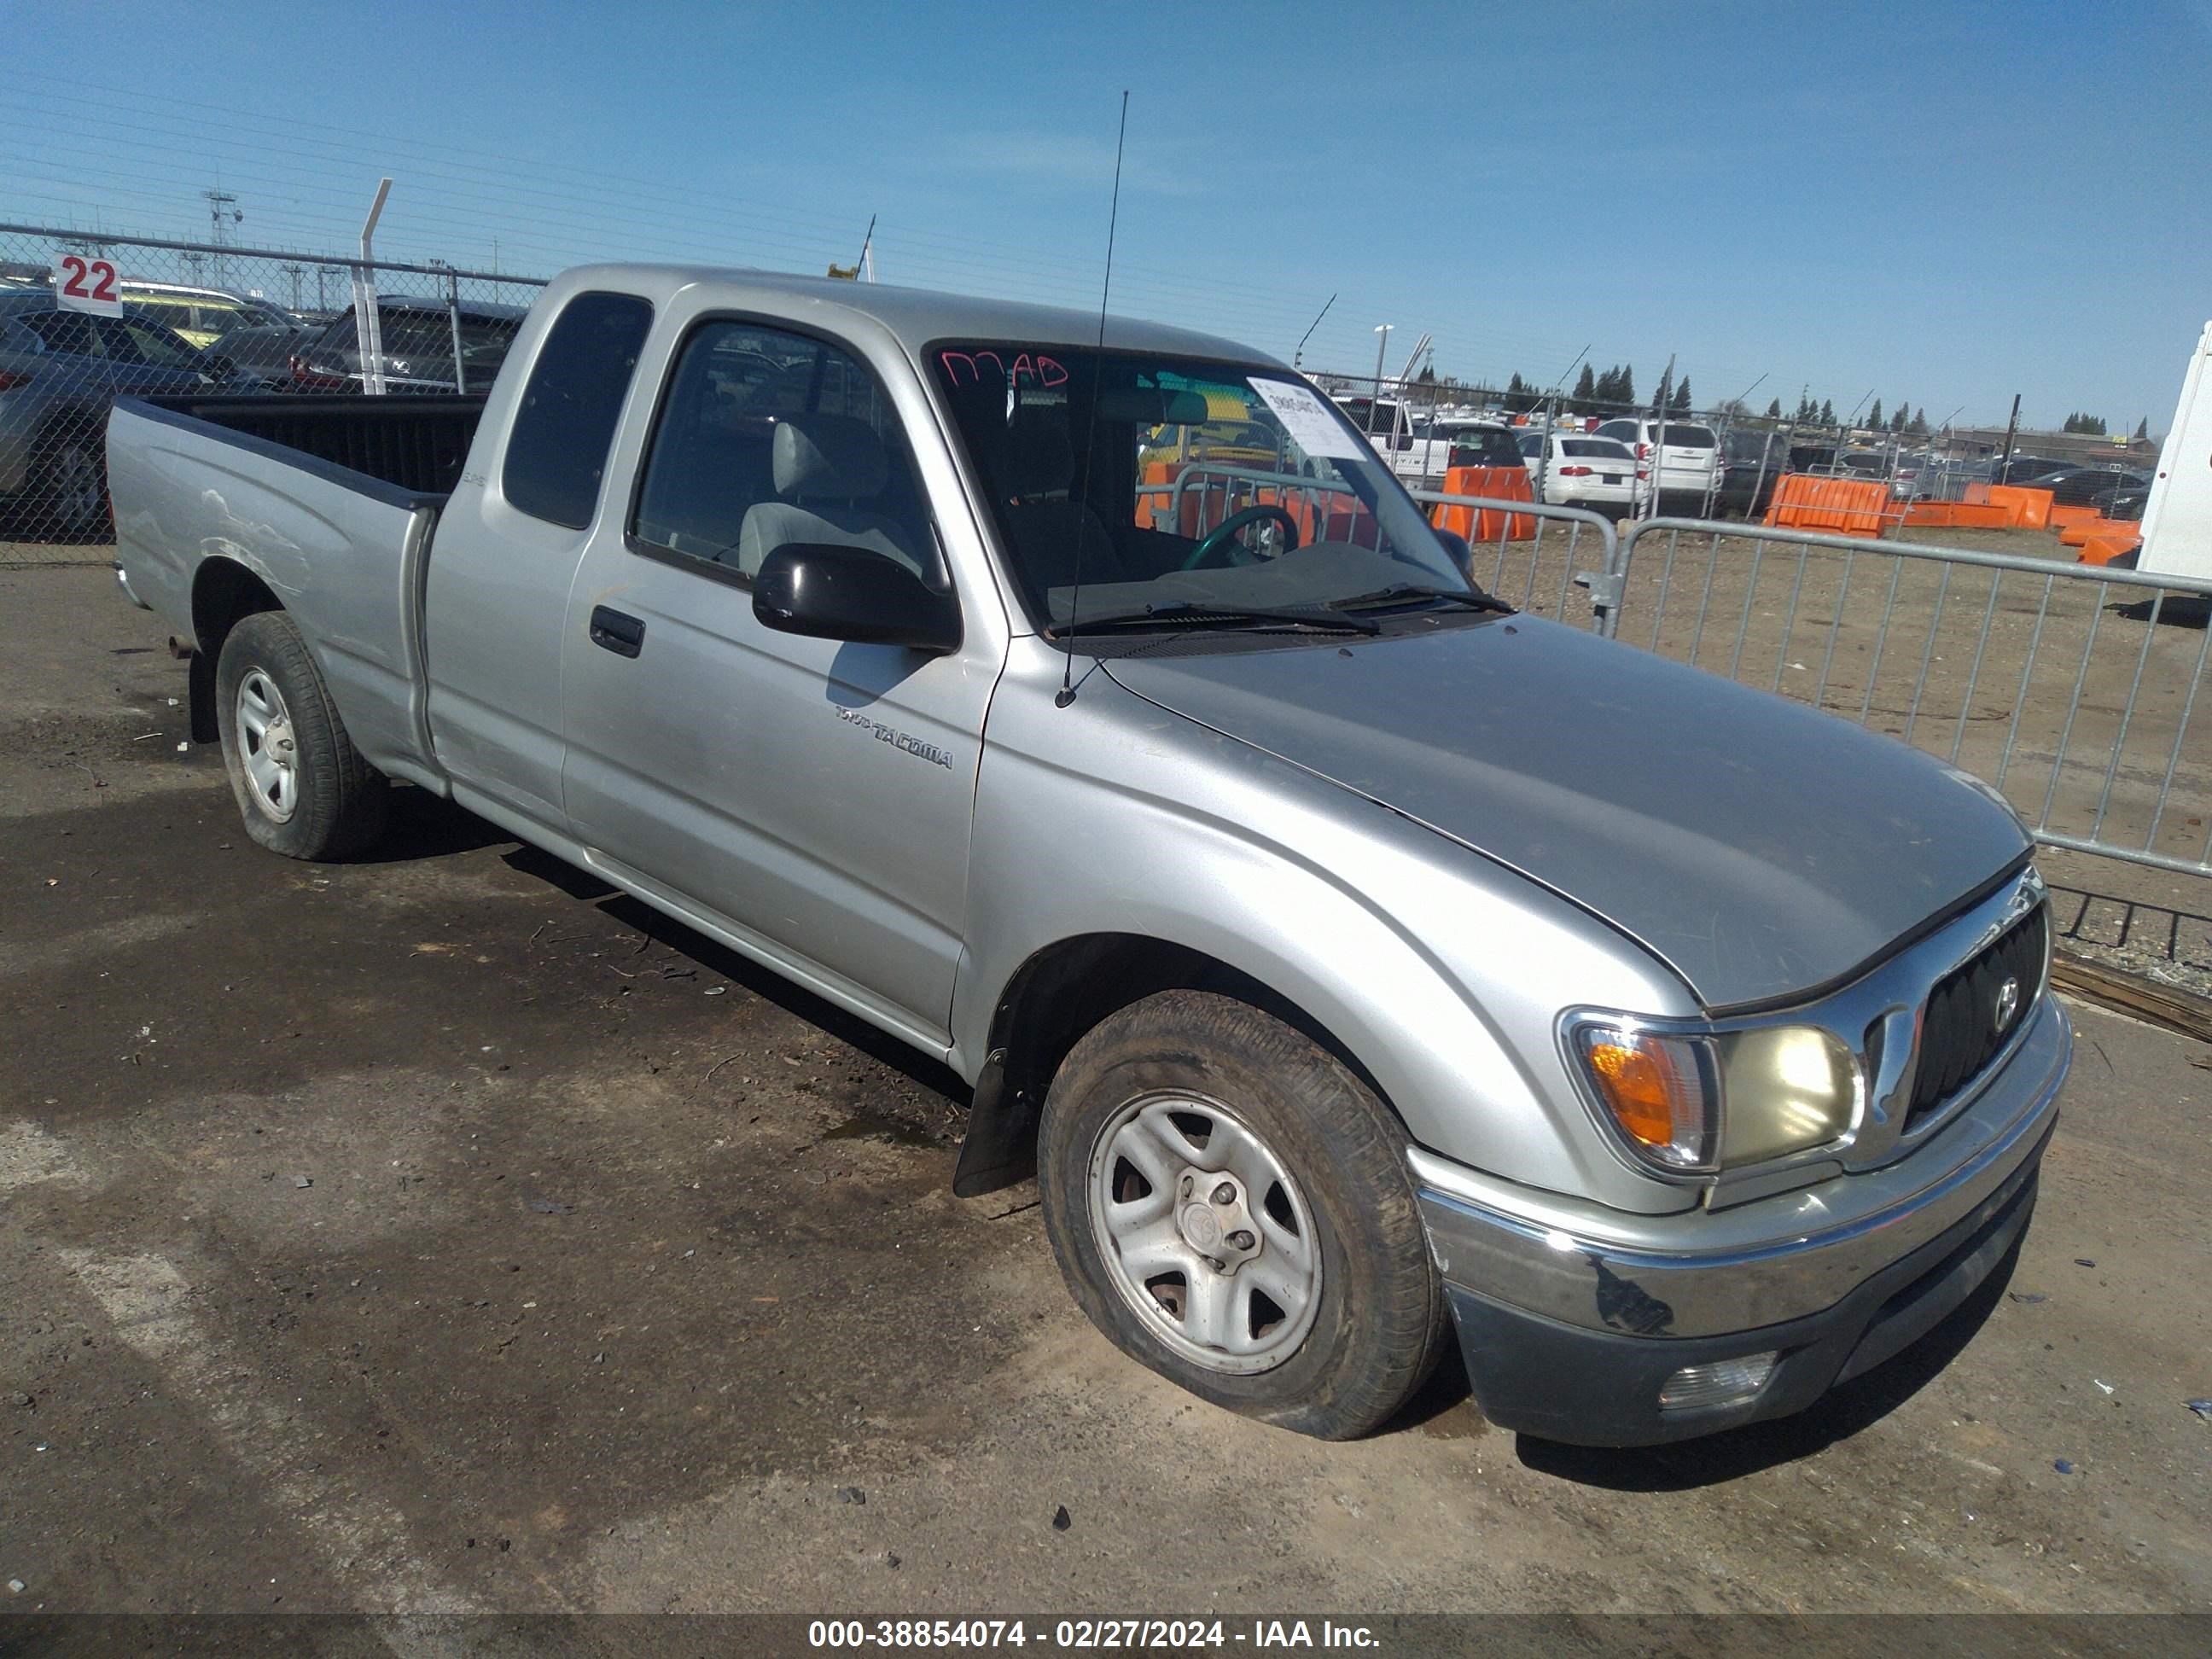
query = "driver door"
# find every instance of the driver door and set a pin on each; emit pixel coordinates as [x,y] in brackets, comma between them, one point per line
[810,800]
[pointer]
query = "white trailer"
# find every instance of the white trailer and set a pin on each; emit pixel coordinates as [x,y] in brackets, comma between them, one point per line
[2177,523]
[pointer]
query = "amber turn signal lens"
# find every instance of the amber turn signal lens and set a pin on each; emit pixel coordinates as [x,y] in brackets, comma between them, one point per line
[1659,1089]
[1640,1086]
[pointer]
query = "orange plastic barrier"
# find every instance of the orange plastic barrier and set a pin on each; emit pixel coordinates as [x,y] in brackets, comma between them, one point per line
[2080,533]
[2104,550]
[1481,524]
[2059,518]
[1978,494]
[1958,515]
[1849,507]
[1155,472]
[2030,506]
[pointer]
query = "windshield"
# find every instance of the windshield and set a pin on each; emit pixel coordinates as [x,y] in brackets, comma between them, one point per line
[1177,484]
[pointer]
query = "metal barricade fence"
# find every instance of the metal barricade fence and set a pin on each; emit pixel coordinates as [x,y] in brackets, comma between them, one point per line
[171,318]
[1566,548]
[2070,688]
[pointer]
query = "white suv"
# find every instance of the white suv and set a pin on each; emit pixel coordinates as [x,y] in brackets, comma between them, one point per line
[1686,457]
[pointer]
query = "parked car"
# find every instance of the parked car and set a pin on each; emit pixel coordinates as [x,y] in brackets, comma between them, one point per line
[1755,461]
[2124,502]
[59,370]
[1602,474]
[1685,457]
[198,315]
[2080,486]
[1687,1047]
[261,353]
[2024,469]
[1460,442]
[417,347]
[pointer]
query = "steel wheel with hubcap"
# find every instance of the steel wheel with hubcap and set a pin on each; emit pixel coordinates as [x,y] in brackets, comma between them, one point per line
[1203,1232]
[1229,1204]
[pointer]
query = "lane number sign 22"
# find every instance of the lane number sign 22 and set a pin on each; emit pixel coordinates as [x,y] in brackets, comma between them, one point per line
[82,284]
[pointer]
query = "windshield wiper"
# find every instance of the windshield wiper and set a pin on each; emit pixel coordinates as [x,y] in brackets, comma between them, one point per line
[1328,620]
[1400,591]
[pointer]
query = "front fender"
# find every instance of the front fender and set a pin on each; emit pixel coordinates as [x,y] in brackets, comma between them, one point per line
[1439,972]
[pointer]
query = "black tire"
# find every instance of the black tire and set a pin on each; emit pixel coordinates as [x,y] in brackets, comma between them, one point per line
[337,800]
[68,493]
[1378,1317]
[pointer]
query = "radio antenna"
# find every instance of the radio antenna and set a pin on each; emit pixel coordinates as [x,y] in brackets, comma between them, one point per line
[1067,692]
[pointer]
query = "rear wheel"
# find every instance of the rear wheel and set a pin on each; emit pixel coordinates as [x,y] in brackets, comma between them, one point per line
[1230,1205]
[302,787]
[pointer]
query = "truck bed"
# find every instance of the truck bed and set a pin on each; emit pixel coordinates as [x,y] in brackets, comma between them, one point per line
[327,503]
[419,444]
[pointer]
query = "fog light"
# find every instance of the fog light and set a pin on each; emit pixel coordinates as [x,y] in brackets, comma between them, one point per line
[1723,1382]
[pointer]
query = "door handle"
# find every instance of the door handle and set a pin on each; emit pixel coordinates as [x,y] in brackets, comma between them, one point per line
[617,631]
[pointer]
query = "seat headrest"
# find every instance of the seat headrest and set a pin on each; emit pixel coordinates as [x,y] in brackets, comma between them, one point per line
[1039,459]
[832,455]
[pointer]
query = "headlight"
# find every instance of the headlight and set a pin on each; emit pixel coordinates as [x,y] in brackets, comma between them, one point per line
[1785,1088]
[1696,1102]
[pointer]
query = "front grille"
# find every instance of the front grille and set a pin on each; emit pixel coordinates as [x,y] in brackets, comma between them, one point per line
[1959,1033]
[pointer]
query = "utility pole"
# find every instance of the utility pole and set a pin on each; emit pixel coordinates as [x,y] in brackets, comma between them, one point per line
[2012,431]
[222,206]
[295,271]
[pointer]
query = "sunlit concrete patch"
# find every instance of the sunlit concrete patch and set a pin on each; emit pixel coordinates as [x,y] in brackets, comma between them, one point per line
[30,1154]
[79,952]
[364,1542]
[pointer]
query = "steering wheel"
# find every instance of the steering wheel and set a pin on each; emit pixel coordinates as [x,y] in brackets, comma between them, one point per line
[1222,532]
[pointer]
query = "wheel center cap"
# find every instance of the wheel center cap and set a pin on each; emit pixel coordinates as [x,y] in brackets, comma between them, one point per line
[1202,1228]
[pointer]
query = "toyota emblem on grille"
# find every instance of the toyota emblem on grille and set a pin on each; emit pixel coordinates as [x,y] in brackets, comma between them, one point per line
[2008,1003]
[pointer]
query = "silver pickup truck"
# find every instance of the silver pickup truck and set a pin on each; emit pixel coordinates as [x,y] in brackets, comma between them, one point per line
[1354,962]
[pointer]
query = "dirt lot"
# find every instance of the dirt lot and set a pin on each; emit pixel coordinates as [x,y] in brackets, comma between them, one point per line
[438,1232]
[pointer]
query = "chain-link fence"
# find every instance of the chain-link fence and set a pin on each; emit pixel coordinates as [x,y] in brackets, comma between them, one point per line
[1724,463]
[85,320]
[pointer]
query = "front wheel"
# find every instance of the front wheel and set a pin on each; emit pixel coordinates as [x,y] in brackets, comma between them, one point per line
[68,491]
[1230,1205]
[302,787]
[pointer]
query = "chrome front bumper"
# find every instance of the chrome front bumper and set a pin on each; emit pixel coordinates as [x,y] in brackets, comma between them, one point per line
[1702,1273]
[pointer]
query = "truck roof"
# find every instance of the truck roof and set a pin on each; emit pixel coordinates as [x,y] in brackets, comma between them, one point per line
[916,317]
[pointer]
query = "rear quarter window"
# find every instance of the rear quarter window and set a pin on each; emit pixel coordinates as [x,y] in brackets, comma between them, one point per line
[556,452]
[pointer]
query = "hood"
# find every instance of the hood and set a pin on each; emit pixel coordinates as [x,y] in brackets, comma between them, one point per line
[1759,847]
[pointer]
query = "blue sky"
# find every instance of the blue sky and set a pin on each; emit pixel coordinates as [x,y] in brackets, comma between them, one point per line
[1941,202]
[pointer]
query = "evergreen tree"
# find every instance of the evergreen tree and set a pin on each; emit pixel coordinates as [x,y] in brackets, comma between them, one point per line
[1585,392]
[1627,392]
[1898,422]
[1681,404]
[1774,408]
[1827,417]
[2143,430]
[1874,415]
[1918,428]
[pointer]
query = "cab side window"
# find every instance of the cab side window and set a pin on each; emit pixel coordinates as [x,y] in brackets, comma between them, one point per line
[767,437]
[557,452]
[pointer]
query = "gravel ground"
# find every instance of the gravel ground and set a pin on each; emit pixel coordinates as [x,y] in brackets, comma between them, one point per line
[438,1231]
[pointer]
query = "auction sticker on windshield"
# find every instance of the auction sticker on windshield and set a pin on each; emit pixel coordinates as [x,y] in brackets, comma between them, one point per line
[1308,421]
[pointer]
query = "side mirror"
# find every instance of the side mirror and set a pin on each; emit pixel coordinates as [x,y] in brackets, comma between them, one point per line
[852,593]
[1462,555]
[218,368]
